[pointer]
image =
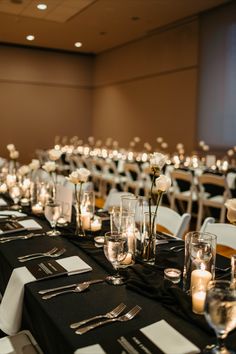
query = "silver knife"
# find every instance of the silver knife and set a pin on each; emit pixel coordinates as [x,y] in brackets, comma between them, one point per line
[71,286]
[19,237]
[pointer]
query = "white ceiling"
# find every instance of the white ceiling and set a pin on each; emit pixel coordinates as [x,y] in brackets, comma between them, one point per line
[98,24]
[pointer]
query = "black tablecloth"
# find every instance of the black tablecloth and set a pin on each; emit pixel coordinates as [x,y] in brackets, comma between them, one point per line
[49,320]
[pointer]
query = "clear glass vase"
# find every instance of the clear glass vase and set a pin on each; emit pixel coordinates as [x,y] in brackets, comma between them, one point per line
[148,239]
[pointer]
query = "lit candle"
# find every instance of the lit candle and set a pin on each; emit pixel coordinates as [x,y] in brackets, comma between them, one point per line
[198,299]
[200,276]
[96,225]
[86,220]
[24,201]
[37,208]
[172,274]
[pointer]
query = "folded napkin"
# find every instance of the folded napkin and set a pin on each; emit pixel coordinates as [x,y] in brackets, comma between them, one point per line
[12,301]
[149,282]
[92,349]
[30,224]
[161,332]
[2,202]
[6,346]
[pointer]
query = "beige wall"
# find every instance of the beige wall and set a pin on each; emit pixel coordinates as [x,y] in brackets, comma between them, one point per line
[42,94]
[149,88]
[146,88]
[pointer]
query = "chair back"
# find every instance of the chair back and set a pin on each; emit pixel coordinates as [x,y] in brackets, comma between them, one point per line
[226,233]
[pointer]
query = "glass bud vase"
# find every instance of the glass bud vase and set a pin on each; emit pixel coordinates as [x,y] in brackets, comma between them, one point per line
[79,230]
[148,239]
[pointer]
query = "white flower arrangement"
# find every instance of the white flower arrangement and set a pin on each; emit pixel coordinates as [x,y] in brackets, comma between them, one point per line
[49,166]
[34,165]
[23,170]
[54,154]
[231,210]
[14,154]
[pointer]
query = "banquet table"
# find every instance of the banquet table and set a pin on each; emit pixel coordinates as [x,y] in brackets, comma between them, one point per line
[49,320]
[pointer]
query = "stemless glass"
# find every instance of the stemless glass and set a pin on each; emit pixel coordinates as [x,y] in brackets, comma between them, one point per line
[52,213]
[220,313]
[115,250]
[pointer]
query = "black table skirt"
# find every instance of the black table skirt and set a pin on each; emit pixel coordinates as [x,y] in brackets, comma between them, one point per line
[49,320]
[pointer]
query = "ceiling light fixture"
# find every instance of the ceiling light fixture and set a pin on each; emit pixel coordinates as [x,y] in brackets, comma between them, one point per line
[30,37]
[78,44]
[42,6]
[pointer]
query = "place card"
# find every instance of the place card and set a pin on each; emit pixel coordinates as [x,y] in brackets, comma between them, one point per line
[64,197]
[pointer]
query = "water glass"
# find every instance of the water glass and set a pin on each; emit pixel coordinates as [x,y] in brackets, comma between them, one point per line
[220,313]
[52,213]
[233,269]
[200,257]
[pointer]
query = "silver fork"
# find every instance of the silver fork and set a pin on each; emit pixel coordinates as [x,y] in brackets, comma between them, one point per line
[111,314]
[127,317]
[51,255]
[38,254]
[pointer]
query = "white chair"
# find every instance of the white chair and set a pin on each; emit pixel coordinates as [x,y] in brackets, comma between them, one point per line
[206,199]
[184,189]
[23,342]
[172,221]
[226,233]
[133,181]
[111,177]
[114,199]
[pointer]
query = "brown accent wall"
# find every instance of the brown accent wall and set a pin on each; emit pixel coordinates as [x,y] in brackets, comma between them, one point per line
[42,94]
[149,88]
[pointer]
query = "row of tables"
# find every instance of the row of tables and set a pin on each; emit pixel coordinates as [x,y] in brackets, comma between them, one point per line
[49,320]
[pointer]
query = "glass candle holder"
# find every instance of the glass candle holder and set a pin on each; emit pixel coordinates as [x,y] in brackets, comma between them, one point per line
[198,298]
[172,274]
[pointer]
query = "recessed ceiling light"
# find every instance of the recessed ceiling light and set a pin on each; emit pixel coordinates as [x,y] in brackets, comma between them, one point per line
[78,44]
[42,6]
[30,37]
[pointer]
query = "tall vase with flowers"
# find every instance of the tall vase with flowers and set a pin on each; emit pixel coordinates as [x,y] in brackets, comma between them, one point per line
[78,177]
[231,210]
[160,184]
[50,168]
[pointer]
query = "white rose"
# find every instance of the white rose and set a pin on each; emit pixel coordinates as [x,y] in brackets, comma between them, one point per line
[179,146]
[14,154]
[137,139]
[49,166]
[163,183]
[23,170]
[147,146]
[164,145]
[159,139]
[79,176]
[54,154]
[158,160]
[231,206]
[11,147]
[34,165]
[3,188]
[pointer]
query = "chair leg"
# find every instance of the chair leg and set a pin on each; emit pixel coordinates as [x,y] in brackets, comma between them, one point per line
[222,215]
[199,215]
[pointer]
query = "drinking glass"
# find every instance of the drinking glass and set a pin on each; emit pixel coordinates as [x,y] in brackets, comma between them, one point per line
[220,313]
[200,253]
[52,213]
[128,203]
[115,250]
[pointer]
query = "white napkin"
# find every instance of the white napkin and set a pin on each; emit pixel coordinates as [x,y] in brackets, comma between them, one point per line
[30,224]
[161,332]
[6,346]
[12,212]
[2,203]
[92,349]
[74,265]
[12,301]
